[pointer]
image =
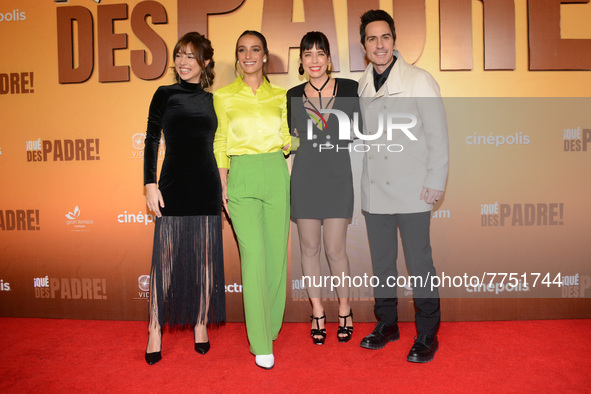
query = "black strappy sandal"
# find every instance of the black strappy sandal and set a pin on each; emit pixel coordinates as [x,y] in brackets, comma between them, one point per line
[316,332]
[344,329]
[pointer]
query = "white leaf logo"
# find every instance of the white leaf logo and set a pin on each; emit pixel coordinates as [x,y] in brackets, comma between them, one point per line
[75,214]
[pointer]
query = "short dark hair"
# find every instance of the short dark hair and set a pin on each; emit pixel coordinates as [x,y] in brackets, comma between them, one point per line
[374,16]
[203,51]
[314,39]
[261,37]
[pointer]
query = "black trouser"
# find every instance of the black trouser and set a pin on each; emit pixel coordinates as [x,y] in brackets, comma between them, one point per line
[382,231]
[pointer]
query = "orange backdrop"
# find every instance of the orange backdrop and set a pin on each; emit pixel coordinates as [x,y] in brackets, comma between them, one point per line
[75,233]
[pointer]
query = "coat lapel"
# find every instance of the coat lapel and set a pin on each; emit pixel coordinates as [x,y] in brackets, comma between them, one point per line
[394,82]
[392,86]
[366,88]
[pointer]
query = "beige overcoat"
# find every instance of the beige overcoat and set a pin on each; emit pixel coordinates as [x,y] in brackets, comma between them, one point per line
[396,169]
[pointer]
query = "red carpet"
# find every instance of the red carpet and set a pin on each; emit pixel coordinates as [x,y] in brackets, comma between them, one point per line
[49,356]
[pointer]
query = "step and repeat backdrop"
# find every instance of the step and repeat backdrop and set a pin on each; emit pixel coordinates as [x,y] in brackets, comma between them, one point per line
[510,237]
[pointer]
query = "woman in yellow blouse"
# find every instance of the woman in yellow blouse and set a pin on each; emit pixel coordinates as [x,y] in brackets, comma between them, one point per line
[251,137]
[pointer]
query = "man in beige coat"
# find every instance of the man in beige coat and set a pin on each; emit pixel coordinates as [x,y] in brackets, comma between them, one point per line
[404,175]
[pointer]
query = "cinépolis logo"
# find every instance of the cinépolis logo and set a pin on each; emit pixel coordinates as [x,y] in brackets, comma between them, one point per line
[388,123]
[15,15]
[63,150]
[522,214]
[132,218]
[4,286]
[498,140]
[19,220]
[70,288]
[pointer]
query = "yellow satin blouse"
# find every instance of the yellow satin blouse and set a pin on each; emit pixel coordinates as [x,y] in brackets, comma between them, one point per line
[249,123]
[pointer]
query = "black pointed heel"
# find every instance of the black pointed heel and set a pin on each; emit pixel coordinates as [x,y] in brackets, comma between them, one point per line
[202,347]
[154,357]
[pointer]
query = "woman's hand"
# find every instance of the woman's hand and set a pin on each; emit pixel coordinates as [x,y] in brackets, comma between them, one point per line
[295,143]
[224,180]
[154,199]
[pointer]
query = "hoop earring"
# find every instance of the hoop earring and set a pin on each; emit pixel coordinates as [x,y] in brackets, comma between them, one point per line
[329,69]
[301,69]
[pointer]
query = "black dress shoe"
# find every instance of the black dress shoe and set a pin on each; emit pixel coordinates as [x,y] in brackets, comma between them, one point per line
[424,349]
[202,347]
[380,336]
[153,358]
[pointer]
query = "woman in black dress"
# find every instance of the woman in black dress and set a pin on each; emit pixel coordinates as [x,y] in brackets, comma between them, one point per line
[187,275]
[321,179]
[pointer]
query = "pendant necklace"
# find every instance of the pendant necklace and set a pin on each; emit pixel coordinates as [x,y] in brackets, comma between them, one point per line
[307,100]
[319,90]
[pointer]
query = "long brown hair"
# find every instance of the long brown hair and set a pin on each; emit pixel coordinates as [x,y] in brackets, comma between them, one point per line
[202,50]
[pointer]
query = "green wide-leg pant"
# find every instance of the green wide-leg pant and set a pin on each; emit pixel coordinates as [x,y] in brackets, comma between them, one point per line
[258,193]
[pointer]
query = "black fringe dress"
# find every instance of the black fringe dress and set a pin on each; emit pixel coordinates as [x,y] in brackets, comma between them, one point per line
[187,274]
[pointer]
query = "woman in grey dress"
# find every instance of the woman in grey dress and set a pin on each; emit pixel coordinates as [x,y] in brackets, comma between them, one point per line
[321,179]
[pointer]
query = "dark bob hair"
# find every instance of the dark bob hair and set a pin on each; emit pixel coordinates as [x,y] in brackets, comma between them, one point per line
[314,39]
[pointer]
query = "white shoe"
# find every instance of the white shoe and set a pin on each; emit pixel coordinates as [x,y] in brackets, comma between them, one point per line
[265,361]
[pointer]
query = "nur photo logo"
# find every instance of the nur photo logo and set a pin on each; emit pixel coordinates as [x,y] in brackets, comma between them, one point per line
[388,124]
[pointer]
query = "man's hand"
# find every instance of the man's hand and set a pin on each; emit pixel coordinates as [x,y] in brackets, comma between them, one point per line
[431,196]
